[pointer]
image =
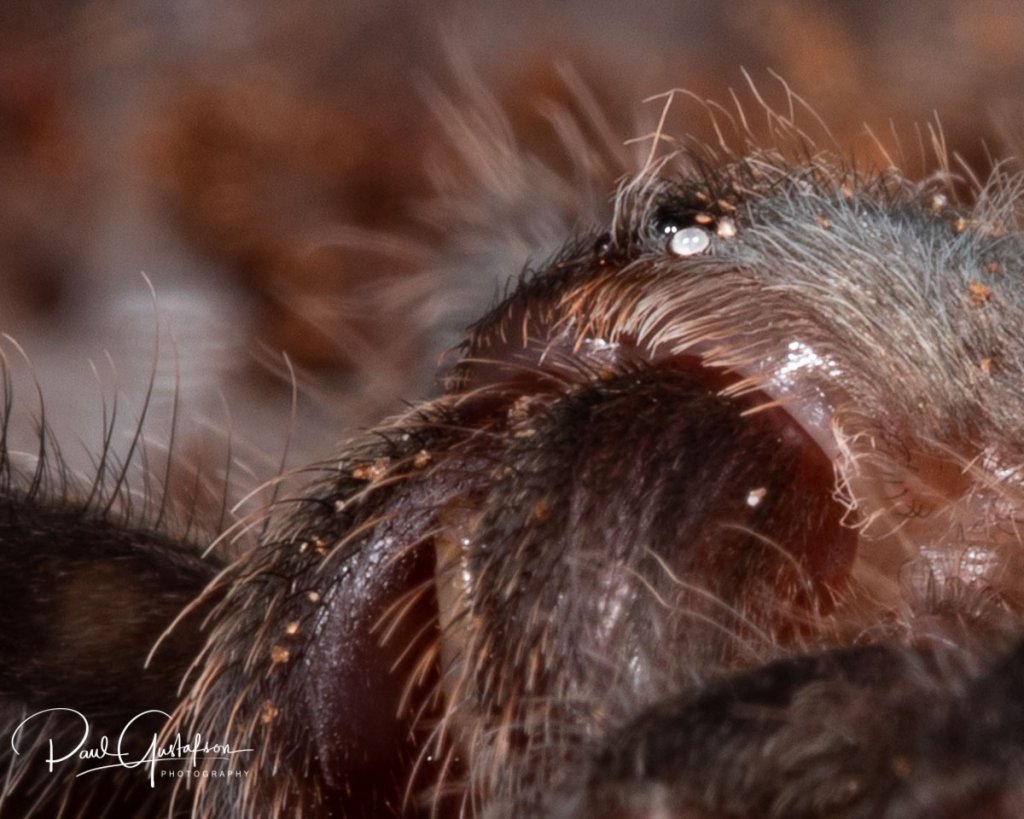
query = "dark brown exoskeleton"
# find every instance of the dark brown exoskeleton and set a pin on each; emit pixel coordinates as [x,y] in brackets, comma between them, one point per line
[717,516]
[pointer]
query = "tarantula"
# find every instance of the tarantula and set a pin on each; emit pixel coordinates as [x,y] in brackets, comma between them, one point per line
[716,516]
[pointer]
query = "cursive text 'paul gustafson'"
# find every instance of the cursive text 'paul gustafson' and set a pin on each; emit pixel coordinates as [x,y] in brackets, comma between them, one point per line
[115,754]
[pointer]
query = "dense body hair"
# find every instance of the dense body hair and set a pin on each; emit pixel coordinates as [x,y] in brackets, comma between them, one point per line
[715,516]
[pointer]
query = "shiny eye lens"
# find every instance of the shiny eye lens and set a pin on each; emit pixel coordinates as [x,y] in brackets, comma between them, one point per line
[689,241]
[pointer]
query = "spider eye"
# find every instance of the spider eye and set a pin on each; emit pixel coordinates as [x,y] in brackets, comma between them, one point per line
[602,245]
[688,241]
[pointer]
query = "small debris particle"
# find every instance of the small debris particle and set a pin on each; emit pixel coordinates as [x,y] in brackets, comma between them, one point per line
[960,224]
[726,207]
[980,293]
[726,228]
[985,365]
[279,655]
[994,267]
[270,712]
[373,471]
[823,221]
[755,496]
[320,545]
[939,202]
[541,510]
[520,409]
[339,504]
[303,546]
[292,629]
[313,597]
[422,459]
[996,228]
[703,218]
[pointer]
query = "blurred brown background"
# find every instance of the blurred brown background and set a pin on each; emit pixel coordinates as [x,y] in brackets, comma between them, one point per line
[268,167]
